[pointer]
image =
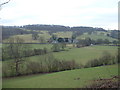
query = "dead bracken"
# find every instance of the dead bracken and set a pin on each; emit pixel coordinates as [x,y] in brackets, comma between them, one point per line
[106,83]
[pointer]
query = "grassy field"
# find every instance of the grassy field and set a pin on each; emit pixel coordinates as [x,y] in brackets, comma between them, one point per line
[36,46]
[64,34]
[28,37]
[40,46]
[101,32]
[80,55]
[96,36]
[67,79]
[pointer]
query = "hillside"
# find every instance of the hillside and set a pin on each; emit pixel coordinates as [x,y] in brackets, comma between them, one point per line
[68,34]
[96,36]
[67,79]
[49,30]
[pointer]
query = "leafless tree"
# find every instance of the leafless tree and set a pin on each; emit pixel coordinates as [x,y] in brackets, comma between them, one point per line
[16,50]
[4,3]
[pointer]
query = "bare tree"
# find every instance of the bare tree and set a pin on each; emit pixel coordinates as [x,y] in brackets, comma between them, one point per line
[16,49]
[4,3]
[41,39]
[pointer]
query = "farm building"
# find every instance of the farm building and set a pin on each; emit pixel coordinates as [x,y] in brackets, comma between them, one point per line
[66,40]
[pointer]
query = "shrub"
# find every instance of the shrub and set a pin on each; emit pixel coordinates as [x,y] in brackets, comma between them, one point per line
[26,53]
[8,70]
[106,59]
[33,67]
[56,48]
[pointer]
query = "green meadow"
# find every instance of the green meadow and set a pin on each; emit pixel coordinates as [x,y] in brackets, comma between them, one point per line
[95,37]
[66,34]
[80,55]
[67,79]
[40,46]
[28,37]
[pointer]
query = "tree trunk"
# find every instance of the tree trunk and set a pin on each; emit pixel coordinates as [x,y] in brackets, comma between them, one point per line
[17,68]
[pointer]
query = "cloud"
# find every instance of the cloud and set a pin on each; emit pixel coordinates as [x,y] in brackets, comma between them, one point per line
[97,13]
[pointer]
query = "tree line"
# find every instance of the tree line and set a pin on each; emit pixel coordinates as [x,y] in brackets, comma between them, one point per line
[105,59]
[59,28]
[89,41]
[50,64]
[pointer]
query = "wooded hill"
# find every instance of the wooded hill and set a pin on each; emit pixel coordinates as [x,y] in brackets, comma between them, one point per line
[8,31]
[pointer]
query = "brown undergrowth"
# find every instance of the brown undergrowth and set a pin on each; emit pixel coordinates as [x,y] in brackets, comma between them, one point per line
[113,82]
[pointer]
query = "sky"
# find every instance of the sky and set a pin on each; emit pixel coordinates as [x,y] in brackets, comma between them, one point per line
[93,13]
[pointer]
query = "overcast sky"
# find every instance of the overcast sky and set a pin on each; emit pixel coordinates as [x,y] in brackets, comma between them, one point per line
[95,13]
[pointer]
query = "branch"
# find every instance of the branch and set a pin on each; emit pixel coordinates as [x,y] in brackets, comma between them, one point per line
[4,3]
